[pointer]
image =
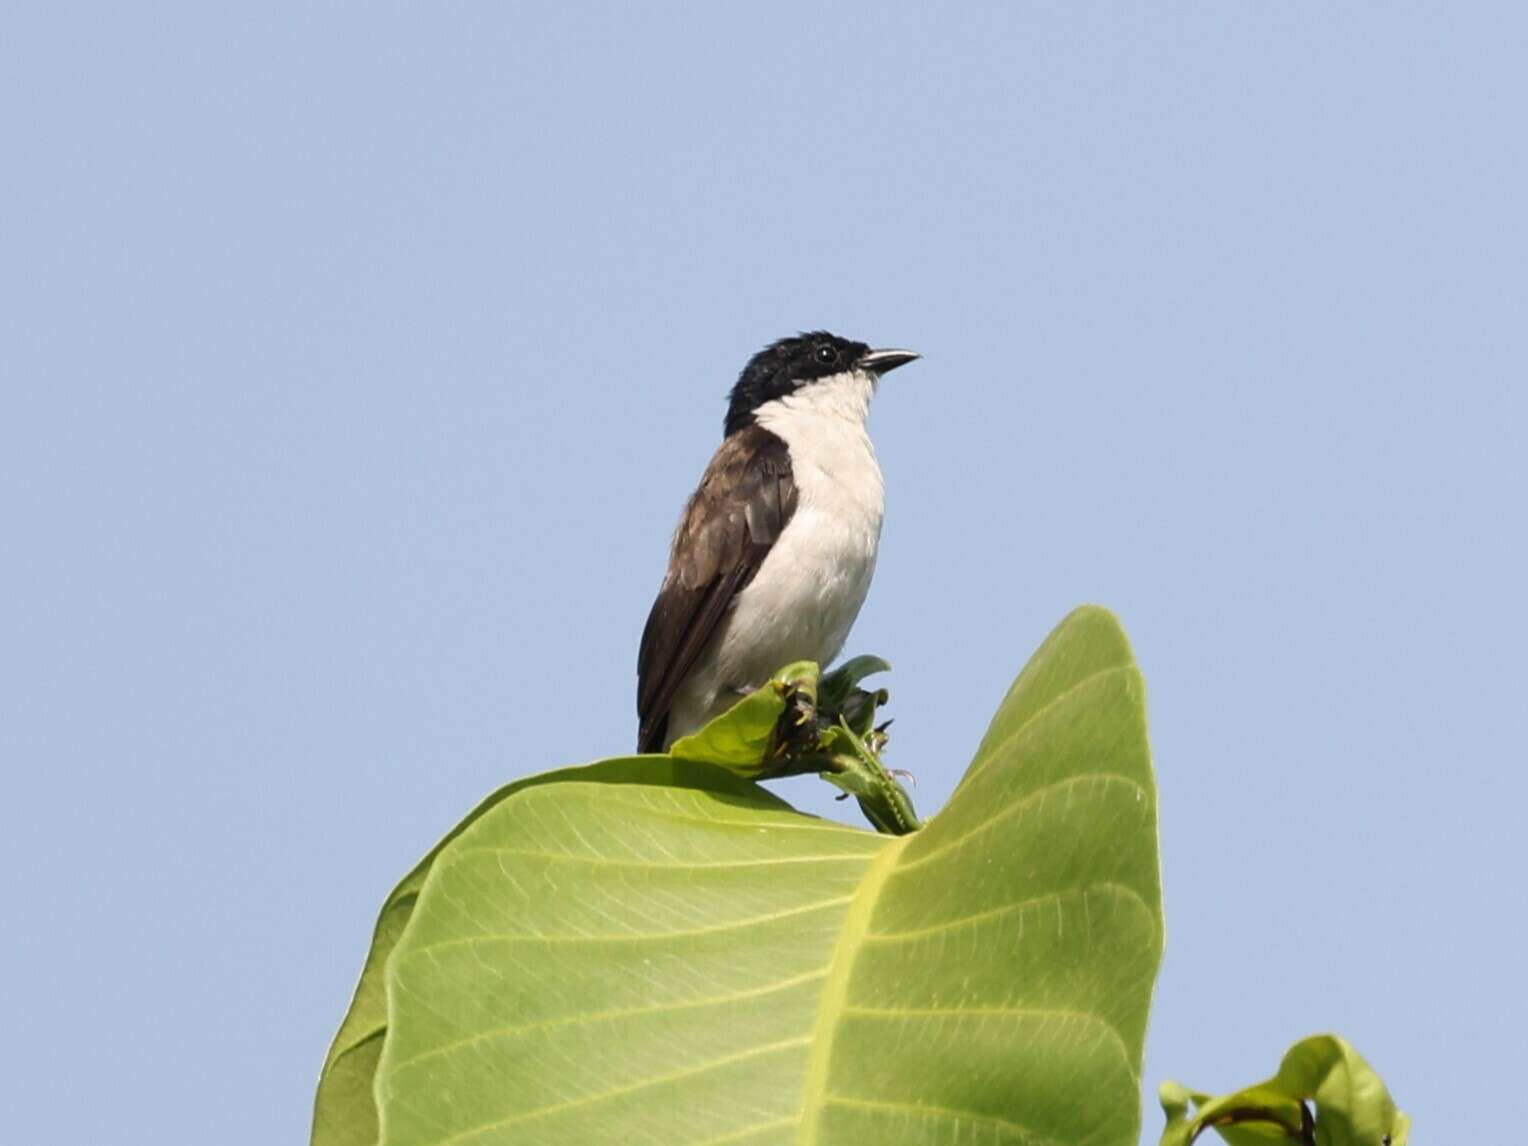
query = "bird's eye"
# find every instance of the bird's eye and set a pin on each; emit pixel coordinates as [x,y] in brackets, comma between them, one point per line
[827,355]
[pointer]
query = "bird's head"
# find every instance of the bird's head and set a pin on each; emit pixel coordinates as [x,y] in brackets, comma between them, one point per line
[807,366]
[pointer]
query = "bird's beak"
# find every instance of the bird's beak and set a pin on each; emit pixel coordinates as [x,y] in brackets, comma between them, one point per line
[882,361]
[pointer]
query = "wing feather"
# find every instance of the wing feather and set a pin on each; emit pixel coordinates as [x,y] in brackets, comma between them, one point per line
[745,499]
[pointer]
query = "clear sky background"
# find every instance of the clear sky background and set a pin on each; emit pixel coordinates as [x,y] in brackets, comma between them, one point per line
[355,362]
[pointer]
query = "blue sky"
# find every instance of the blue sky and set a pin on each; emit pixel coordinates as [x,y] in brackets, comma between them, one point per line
[354,365]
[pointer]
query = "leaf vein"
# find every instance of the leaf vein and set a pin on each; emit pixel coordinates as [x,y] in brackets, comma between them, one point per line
[984,756]
[1014,809]
[1087,1018]
[942,1112]
[1021,905]
[596,793]
[620,1091]
[632,936]
[606,1016]
[747,1132]
[606,861]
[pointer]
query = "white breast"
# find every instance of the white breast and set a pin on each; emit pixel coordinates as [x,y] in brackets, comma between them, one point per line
[805,597]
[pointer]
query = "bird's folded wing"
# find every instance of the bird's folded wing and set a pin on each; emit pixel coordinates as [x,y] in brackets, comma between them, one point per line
[744,501]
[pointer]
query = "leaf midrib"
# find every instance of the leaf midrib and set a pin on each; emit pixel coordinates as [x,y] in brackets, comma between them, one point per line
[835,992]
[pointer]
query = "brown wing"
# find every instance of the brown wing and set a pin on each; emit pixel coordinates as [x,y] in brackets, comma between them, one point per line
[744,500]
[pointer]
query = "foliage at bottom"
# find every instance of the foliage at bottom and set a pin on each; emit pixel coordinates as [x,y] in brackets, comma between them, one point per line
[655,949]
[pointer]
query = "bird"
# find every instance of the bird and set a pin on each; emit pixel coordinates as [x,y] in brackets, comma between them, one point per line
[776,547]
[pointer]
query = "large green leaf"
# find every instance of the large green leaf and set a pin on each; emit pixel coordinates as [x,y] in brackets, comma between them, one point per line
[344,1113]
[656,950]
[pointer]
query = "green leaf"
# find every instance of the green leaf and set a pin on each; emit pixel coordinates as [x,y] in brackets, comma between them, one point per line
[657,950]
[842,681]
[740,739]
[829,730]
[344,1112]
[1352,1106]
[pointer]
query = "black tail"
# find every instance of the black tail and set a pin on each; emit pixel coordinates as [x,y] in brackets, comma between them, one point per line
[652,733]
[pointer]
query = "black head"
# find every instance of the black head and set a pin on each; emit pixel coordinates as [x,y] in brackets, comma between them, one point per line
[785,366]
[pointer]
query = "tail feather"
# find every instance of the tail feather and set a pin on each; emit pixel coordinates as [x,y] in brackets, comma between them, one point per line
[652,733]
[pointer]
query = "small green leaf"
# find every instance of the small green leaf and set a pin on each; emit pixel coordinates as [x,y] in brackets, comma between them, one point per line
[741,739]
[838,684]
[1352,1106]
